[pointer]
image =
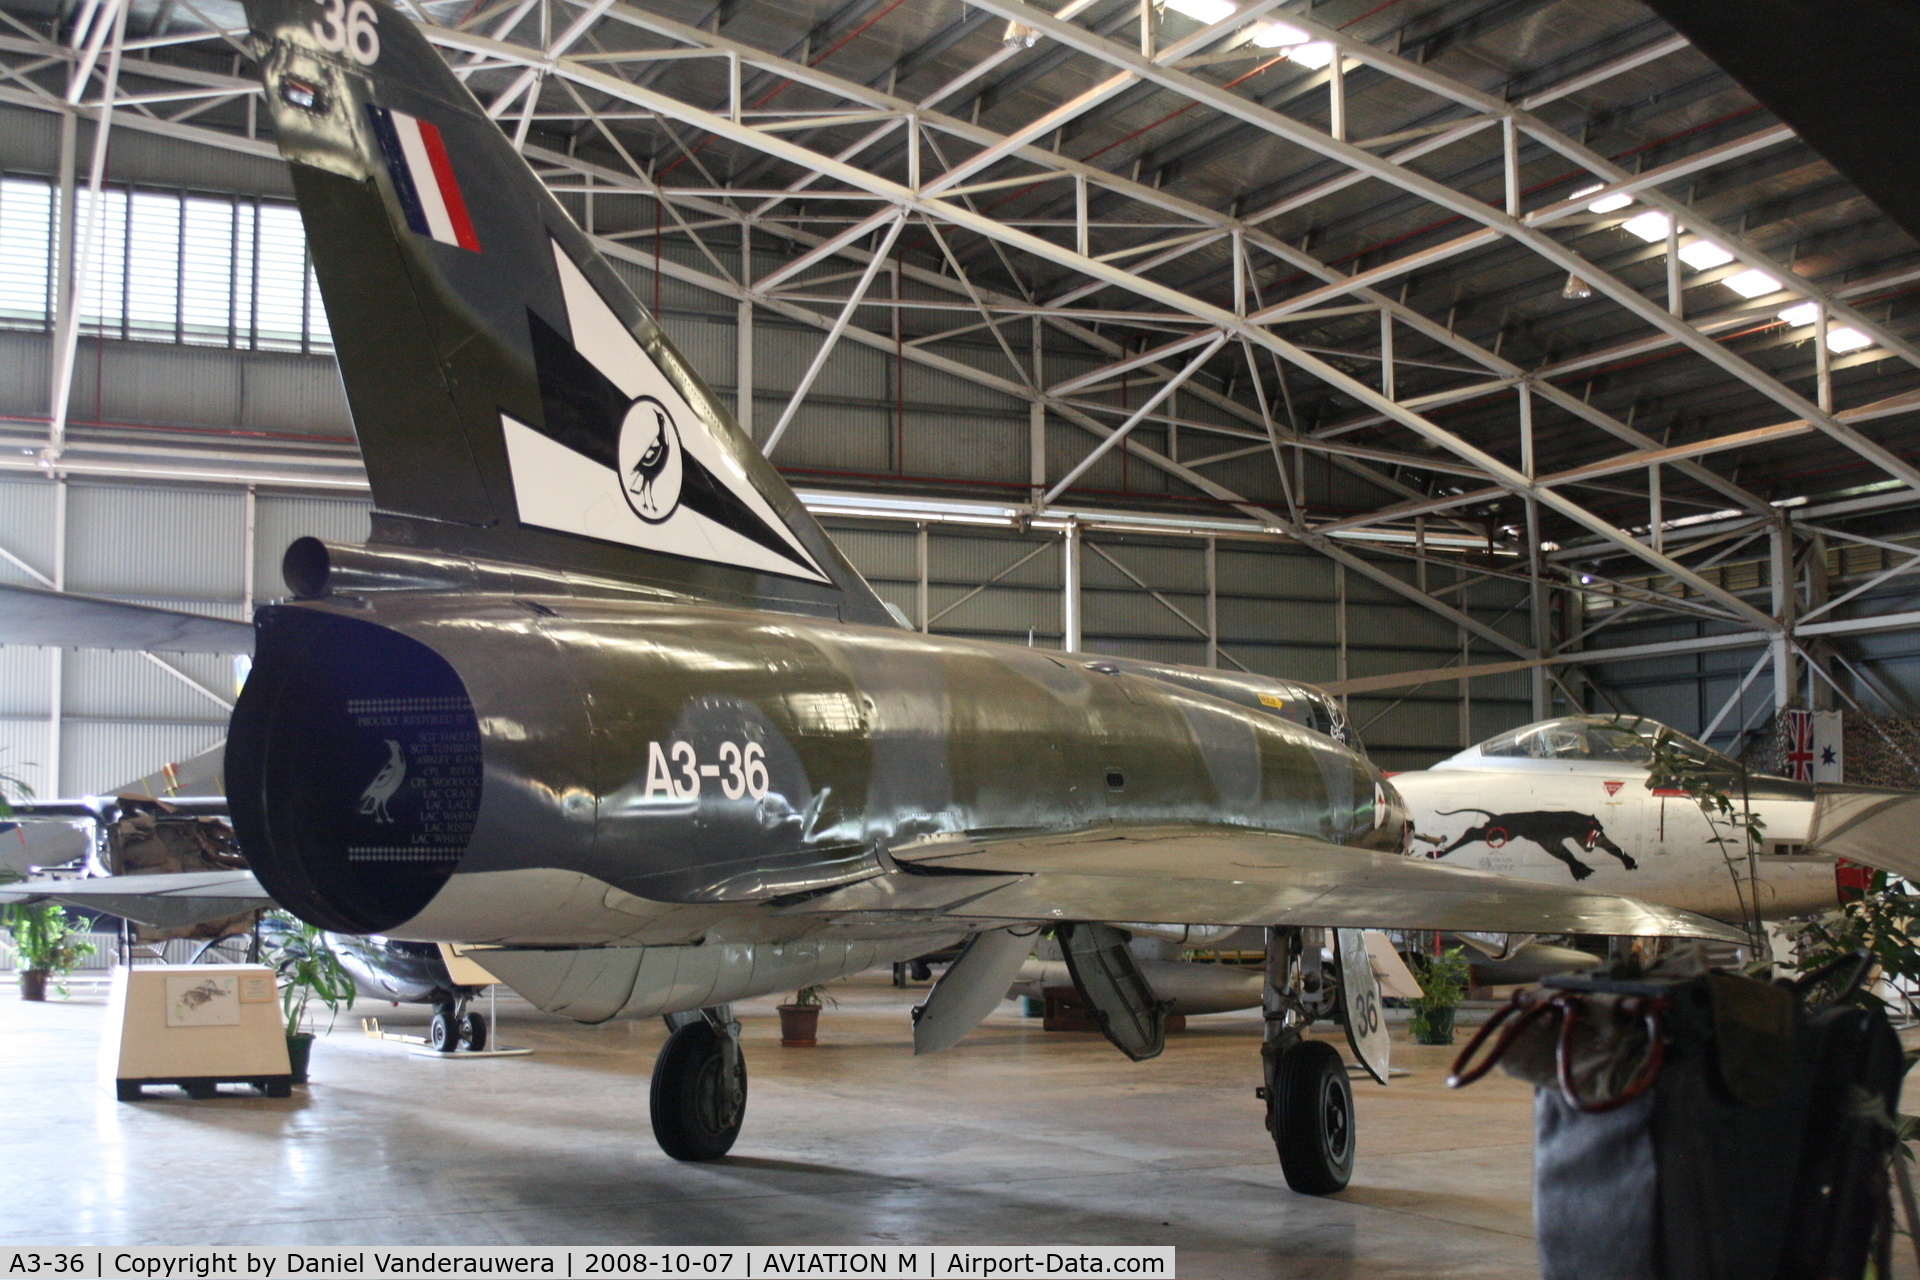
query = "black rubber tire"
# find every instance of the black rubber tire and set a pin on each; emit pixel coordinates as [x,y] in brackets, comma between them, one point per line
[473,1032]
[441,1032]
[691,1119]
[1313,1121]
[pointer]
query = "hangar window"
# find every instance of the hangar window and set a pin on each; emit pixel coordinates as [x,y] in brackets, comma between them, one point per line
[166,266]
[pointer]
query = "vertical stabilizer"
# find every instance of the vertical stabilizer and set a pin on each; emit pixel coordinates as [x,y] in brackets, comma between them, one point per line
[513,399]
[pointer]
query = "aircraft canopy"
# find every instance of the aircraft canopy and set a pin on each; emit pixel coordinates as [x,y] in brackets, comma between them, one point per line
[1602,739]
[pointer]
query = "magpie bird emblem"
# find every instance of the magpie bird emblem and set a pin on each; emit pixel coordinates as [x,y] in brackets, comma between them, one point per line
[373,801]
[651,461]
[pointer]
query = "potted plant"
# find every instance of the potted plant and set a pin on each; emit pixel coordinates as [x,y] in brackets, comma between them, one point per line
[46,945]
[1443,985]
[45,942]
[310,973]
[800,1018]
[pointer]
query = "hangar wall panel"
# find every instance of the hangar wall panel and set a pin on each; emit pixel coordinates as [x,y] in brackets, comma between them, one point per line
[26,528]
[122,752]
[129,687]
[180,543]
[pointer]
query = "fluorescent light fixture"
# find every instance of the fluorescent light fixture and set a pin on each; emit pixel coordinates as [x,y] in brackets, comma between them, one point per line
[1208,11]
[1316,55]
[1801,313]
[1649,226]
[1751,283]
[1703,255]
[1605,204]
[1846,338]
[1278,35]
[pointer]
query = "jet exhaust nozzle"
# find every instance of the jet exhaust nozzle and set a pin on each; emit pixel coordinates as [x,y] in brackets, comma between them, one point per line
[354,764]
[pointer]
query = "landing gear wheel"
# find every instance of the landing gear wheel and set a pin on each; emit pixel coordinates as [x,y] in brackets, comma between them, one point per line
[443,1033]
[1313,1119]
[473,1032]
[696,1116]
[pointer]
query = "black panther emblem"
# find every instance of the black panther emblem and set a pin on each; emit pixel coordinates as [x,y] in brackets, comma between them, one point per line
[1548,828]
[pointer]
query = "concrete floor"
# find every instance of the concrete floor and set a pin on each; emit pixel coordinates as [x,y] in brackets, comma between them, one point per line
[1015,1136]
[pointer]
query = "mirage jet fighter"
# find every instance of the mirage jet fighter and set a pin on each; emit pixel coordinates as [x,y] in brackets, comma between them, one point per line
[663,748]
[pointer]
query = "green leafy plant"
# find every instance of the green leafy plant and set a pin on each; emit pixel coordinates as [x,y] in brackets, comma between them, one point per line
[1443,985]
[12,787]
[813,997]
[1735,830]
[45,938]
[309,969]
[1884,923]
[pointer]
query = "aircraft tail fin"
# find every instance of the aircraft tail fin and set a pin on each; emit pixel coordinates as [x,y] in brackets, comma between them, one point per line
[513,399]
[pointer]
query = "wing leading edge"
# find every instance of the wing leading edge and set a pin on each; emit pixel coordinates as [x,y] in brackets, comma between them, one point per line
[172,901]
[1222,875]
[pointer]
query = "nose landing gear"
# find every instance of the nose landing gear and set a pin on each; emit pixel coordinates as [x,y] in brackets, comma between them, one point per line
[699,1095]
[455,1027]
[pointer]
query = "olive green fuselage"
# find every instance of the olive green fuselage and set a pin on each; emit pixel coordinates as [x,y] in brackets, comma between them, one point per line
[697,756]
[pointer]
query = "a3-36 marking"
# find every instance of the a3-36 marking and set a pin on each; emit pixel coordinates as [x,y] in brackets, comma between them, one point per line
[674,770]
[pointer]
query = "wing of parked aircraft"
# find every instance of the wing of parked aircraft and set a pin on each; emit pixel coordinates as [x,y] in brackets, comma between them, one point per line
[1177,875]
[1873,826]
[32,616]
[163,901]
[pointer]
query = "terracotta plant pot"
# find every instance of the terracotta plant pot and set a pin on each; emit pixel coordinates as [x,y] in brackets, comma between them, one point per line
[799,1024]
[33,984]
[299,1054]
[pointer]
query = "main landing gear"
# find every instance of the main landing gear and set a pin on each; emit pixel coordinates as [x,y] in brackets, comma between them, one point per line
[454,1026]
[699,1085]
[1309,1102]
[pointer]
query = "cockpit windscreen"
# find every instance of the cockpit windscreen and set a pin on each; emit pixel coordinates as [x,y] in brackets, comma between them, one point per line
[1601,739]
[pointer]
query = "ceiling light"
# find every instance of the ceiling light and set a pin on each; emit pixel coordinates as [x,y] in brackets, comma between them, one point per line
[1575,288]
[1801,313]
[1649,226]
[1847,339]
[1277,35]
[1605,204]
[1316,55]
[1751,283]
[1704,255]
[1208,11]
[1020,36]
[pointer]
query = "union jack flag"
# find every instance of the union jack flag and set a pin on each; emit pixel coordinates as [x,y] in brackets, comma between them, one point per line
[1800,746]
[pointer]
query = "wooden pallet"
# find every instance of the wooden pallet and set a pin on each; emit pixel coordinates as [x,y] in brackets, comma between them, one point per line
[127,1090]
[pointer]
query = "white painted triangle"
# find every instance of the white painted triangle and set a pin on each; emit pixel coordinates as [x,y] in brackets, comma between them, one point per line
[599,335]
[557,488]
